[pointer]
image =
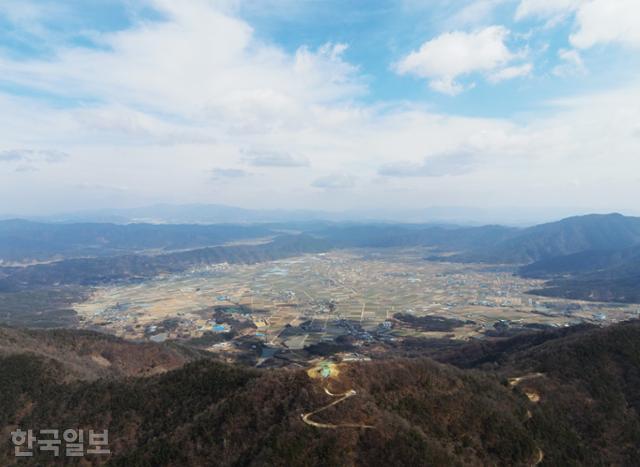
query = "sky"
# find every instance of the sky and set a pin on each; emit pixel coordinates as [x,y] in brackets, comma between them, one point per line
[320,104]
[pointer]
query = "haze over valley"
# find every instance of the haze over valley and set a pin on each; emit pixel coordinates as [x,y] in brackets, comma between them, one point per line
[338,305]
[319,233]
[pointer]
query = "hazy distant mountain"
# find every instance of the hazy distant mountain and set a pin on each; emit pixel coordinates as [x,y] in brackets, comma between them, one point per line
[592,232]
[446,237]
[568,236]
[603,275]
[100,270]
[217,214]
[187,214]
[623,288]
[495,243]
[585,262]
[24,240]
[590,257]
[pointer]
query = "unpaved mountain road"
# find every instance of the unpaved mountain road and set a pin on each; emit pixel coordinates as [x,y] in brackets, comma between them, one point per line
[342,397]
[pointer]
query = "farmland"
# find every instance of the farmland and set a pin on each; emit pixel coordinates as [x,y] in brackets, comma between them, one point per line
[368,294]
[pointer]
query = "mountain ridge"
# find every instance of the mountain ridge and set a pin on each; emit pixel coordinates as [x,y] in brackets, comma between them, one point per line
[567,396]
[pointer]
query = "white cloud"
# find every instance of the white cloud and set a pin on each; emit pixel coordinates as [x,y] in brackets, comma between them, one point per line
[511,72]
[475,13]
[546,8]
[29,16]
[571,63]
[162,103]
[448,86]
[274,159]
[200,64]
[607,21]
[30,160]
[447,57]
[336,181]
[455,163]
[596,21]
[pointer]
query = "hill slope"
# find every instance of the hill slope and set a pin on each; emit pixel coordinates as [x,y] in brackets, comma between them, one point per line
[603,275]
[567,236]
[87,355]
[28,241]
[92,271]
[567,397]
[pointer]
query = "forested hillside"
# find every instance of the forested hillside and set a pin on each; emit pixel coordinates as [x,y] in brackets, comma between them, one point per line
[567,397]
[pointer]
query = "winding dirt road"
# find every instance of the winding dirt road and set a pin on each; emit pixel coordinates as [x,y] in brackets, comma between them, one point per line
[540,457]
[342,397]
[515,381]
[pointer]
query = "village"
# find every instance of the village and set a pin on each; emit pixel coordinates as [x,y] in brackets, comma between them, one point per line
[359,296]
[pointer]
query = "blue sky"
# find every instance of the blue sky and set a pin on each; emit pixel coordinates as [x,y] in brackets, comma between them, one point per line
[379,32]
[354,104]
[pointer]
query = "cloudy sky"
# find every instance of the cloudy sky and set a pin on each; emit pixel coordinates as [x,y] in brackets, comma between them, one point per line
[320,104]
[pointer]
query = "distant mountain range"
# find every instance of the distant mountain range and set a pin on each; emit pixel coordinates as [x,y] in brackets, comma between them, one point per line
[192,214]
[592,257]
[110,269]
[602,275]
[601,262]
[27,240]
[222,214]
[564,237]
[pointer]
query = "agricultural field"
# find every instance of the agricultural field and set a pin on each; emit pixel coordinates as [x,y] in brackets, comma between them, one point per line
[368,294]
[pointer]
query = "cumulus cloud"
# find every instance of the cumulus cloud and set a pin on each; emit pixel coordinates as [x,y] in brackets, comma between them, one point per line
[596,21]
[335,182]
[164,100]
[607,21]
[274,159]
[511,72]
[451,55]
[198,63]
[441,165]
